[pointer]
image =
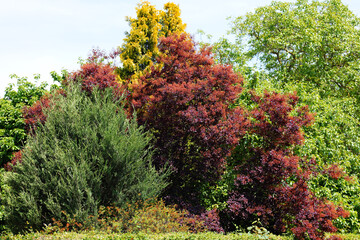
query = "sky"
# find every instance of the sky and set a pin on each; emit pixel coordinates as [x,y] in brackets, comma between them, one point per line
[40,36]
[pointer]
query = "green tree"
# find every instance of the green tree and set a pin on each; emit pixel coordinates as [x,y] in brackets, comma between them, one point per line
[87,154]
[140,47]
[313,48]
[306,41]
[12,132]
[25,92]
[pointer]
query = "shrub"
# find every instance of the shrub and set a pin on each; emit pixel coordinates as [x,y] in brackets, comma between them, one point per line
[87,154]
[149,216]
[158,218]
[185,103]
[12,132]
[96,72]
[333,138]
[271,181]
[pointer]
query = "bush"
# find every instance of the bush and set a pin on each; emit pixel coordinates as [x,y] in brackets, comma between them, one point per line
[87,154]
[185,103]
[333,138]
[271,182]
[158,219]
[150,216]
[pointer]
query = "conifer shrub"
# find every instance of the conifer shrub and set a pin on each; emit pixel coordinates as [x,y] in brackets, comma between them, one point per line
[88,153]
[96,72]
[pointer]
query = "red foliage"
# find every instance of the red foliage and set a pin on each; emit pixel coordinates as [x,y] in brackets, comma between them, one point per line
[186,105]
[15,160]
[335,172]
[271,185]
[209,221]
[100,56]
[92,74]
[34,114]
[95,74]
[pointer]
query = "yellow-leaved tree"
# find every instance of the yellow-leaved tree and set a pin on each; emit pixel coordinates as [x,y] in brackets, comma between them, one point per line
[140,47]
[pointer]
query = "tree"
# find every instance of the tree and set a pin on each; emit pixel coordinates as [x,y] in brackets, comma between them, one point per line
[313,42]
[271,181]
[12,132]
[170,20]
[25,92]
[312,48]
[186,105]
[140,47]
[88,153]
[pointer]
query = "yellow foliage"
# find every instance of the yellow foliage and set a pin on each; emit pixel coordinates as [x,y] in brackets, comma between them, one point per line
[171,21]
[140,47]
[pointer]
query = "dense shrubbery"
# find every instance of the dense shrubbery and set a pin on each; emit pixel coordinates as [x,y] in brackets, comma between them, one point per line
[149,216]
[87,154]
[240,159]
[186,104]
[189,105]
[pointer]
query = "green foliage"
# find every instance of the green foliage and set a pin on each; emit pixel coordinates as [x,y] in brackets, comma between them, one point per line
[87,154]
[227,52]
[149,216]
[332,139]
[25,92]
[140,47]
[158,218]
[306,41]
[59,78]
[3,187]
[12,132]
[313,48]
[143,236]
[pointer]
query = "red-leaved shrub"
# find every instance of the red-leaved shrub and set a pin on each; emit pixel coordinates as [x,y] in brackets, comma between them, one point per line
[34,114]
[185,103]
[94,74]
[271,182]
[15,159]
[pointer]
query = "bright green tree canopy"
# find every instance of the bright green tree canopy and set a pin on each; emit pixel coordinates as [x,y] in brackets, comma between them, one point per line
[311,41]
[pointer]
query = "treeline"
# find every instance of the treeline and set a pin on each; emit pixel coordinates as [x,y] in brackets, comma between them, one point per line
[233,145]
